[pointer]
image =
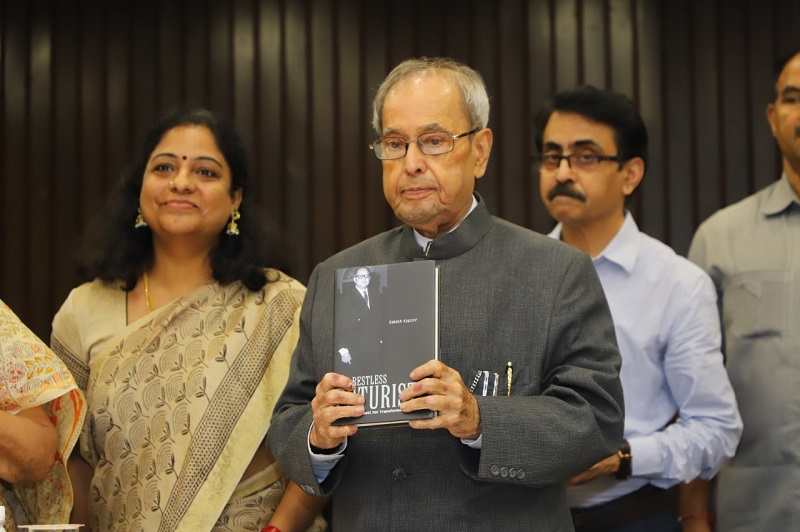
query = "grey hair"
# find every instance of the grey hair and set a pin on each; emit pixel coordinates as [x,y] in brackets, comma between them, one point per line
[468,81]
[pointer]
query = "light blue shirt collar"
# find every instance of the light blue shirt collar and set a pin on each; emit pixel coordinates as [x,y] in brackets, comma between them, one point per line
[623,248]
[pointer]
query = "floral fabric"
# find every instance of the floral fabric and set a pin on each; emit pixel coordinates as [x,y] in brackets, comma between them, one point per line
[32,376]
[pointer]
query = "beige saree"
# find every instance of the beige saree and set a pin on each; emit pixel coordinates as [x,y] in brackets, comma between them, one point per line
[31,376]
[179,402]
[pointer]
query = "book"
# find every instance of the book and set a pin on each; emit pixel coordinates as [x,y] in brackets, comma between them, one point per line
[386,323]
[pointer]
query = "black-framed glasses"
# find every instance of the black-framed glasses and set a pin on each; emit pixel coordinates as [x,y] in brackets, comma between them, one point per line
[576,161]
[362,276]
[433,143]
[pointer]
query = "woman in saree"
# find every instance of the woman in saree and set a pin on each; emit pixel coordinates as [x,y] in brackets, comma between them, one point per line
[182,342]
[41,411]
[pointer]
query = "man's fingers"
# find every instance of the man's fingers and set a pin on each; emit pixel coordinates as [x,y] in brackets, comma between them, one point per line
[327,436]
[330,404]
[335,397]
[328,415]
[333,381]
[432,368]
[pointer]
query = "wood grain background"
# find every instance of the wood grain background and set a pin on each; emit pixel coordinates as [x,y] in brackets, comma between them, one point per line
[80,81]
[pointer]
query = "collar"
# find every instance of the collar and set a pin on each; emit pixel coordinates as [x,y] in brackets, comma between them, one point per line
[460,239]
[779,198]
[623,248]
[423,241]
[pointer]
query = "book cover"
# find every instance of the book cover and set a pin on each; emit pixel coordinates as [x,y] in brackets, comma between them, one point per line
[385,325]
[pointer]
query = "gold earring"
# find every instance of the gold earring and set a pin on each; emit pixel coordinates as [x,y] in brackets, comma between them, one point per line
[233,227]
[140,221]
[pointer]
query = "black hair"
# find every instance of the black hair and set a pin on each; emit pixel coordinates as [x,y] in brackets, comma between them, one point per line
[603,106]
[113,250]
[780,64]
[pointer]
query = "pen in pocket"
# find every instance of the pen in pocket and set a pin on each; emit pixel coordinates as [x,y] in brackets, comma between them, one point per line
[485,383]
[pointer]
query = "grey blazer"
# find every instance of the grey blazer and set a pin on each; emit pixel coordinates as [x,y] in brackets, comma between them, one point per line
[506,294]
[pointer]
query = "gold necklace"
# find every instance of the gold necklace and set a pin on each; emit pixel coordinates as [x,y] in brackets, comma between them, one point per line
[148,303]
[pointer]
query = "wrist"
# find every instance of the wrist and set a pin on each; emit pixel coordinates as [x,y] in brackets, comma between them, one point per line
[709,517]
[320,450]
[316,449]
[475,420]
[625,461]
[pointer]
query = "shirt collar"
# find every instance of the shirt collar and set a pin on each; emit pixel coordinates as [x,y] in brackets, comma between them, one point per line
[424,240]
[623,248]
[780,198]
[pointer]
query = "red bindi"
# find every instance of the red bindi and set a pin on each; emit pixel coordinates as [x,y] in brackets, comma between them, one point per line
[184,157]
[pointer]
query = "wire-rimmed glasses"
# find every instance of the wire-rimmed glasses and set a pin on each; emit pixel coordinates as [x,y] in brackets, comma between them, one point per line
[433,143]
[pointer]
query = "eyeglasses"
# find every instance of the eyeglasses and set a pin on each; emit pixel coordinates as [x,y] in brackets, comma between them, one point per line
[362,276]
[433,143]
[577,161]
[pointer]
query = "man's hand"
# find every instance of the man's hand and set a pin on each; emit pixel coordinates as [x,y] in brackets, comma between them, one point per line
[440,388]
[695,506]
[608,467]
[696,525]
[334,400]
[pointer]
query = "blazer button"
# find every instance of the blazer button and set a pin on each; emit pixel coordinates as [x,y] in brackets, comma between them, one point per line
[512,472]
[504,472]
[399,473]
[495,470]
[521,474]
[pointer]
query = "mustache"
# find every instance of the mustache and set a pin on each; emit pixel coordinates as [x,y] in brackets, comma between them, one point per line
[566,188]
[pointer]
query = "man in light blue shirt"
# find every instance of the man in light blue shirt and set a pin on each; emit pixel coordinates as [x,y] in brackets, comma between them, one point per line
[681,417]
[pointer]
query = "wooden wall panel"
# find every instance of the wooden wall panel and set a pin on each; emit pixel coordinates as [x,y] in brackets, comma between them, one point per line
[117,114]
[297,127]
[16,128]
[764,48]
[375,64]
[647,204]
[484,57]
[706,124]
[81,80]
[540,72]
[323,239]
[733,125]
[67,219]
[268,157]
[37,176]
[355,197]
[513,138]
[622,46]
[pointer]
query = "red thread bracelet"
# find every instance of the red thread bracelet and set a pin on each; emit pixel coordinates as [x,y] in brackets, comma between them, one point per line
[270,528]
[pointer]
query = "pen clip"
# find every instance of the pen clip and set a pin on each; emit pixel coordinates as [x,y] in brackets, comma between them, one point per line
[475,381]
